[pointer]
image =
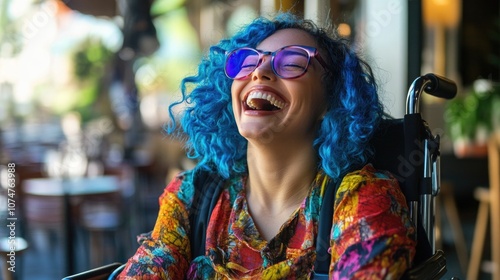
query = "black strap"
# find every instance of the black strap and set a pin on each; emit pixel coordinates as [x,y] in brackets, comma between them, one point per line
[207,188]
[322,264]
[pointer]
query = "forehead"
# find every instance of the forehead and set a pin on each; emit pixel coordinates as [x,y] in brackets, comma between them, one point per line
[286,37]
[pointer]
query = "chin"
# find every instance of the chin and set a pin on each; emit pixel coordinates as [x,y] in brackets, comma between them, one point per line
[258,135]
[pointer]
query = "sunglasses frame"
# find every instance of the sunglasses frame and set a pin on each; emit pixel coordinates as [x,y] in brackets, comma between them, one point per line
[311,51]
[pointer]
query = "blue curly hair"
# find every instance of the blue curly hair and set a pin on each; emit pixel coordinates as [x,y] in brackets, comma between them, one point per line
[353,114]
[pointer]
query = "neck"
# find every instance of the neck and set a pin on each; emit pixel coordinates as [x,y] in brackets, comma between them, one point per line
[279,180]
[277,185]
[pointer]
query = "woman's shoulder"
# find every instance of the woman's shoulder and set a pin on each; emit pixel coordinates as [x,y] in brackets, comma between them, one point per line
[186,183]
[368,177]
[370,186]
[192,177]
[369,172]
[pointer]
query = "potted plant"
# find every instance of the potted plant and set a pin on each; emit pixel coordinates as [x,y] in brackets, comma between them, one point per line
[471,118]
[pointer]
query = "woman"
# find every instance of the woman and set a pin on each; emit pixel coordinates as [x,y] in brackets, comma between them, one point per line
[280,112]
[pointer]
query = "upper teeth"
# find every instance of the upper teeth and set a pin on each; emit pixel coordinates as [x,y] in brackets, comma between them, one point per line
[262,95]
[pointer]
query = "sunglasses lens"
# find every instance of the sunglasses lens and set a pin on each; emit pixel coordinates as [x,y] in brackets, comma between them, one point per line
[241,63]
[291,62]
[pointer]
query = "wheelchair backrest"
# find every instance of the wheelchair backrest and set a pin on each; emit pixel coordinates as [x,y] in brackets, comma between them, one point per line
[390,153]
[389,149]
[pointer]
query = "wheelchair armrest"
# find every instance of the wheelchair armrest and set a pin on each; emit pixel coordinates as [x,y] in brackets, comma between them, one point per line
[102,272]
[116,272]
[432,268]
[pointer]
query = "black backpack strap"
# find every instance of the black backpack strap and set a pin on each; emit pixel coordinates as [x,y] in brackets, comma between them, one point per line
[322,264]
[207,189]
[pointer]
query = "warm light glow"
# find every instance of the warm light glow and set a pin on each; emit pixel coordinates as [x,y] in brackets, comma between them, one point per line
[445,13]
[344,30]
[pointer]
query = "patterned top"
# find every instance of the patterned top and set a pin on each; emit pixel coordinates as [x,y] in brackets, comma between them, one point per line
[371,237]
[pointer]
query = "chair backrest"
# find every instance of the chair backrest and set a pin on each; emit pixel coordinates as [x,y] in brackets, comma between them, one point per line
[389,145]
[44,210]
[389,149]
[101,212]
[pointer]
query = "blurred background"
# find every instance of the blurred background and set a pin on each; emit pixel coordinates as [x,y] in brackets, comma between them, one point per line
[85,87]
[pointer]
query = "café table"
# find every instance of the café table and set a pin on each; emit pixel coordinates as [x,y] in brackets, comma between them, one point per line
[70,190]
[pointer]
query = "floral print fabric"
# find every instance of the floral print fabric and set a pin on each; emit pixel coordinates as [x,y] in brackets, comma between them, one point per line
[371,238]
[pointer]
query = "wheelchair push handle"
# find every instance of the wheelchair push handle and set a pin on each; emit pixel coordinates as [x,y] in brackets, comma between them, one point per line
[440,86]
[432,84]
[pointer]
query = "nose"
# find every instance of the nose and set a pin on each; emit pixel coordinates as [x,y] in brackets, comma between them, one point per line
[264,70]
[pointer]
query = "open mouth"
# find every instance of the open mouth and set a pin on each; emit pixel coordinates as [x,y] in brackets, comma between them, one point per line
[263,101]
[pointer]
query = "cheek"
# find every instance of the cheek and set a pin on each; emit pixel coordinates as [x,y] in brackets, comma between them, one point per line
[319,110]
[319,99]
[236,89]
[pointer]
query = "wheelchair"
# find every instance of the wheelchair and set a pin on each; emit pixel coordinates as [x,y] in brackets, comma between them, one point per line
[415,164]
